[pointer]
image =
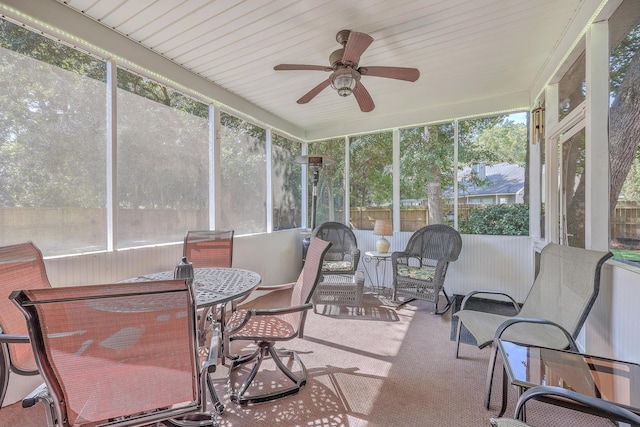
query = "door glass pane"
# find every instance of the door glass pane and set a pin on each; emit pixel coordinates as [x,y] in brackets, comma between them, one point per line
[572,87]
[330,182]
[286,183]
[426,168]
[371,179]
[572,185]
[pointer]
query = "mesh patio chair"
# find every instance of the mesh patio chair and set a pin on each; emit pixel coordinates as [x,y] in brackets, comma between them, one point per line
[266,327]
[344,255]
[117,354]
[21,267]
[209,248]
[554,311]
[591,404]
[419,271]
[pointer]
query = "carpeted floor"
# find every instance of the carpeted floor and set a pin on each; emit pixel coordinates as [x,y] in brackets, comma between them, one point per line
[373,366]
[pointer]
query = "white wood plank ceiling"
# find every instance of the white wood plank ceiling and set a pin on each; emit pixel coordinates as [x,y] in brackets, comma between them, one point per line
[488,53]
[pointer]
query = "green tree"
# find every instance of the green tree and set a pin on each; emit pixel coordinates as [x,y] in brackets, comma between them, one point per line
[624,114]
[370,169]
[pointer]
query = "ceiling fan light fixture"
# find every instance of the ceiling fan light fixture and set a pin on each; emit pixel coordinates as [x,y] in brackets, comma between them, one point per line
[344,81]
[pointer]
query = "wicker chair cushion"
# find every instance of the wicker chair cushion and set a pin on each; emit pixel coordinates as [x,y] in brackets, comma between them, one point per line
[336,266]
[419,273]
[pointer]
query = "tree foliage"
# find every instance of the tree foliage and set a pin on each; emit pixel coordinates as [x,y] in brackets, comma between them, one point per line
[371,169]
[624,122]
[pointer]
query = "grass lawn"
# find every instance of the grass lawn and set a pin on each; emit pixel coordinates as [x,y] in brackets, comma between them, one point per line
[626,254]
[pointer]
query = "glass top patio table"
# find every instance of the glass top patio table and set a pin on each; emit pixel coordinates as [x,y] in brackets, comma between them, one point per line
[215,285]
[528,366]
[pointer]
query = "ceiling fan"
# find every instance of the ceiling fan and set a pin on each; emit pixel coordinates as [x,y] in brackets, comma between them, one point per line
[346,75]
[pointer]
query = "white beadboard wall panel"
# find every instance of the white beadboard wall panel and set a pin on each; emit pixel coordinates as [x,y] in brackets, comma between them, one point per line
[276,257]
[504,263]
[611,328]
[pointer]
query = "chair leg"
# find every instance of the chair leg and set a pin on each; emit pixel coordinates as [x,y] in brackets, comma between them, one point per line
[266,349]
[458,331]
[446,307]
[490,372]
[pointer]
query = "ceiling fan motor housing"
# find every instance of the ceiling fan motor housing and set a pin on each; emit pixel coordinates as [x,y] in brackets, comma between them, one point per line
[335,59]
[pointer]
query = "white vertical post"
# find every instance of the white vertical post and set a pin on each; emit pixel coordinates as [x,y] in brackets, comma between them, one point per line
[597,137]
[268,180]
[305,186]
[112,156]
[455,174]
[215,174]
[395,200]
[347,183]
[552,202]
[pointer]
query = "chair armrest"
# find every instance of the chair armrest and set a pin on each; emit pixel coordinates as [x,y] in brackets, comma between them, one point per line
[488,292]
[515,320]
[268,312]
[275,287]
[14,339]
[278,311]
[40,393]
[607,409]
[355,258]
[396,255]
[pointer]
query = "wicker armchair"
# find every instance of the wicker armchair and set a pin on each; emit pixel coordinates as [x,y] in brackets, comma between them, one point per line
[344,255]
[419,270]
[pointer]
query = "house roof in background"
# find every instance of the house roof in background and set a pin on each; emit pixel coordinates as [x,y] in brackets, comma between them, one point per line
[505,178]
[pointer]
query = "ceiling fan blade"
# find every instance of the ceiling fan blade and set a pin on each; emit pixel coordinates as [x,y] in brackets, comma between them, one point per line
[400,73]
[313,92]
[364,99]
[356,45]
[297,67]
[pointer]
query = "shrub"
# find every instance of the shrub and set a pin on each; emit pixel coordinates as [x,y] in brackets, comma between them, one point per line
[506,220]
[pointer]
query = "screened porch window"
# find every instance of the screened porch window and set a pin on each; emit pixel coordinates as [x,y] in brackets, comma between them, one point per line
[52,144]
[163,162]
[286,183]
[426,176]
[624,132]
[243,164]
[371,179]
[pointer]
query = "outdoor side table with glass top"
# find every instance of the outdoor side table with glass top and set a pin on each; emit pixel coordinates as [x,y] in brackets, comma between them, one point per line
[379,263]
[612,380]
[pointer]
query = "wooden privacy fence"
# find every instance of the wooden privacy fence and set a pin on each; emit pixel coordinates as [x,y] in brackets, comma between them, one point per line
[625,223]
[411,218]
